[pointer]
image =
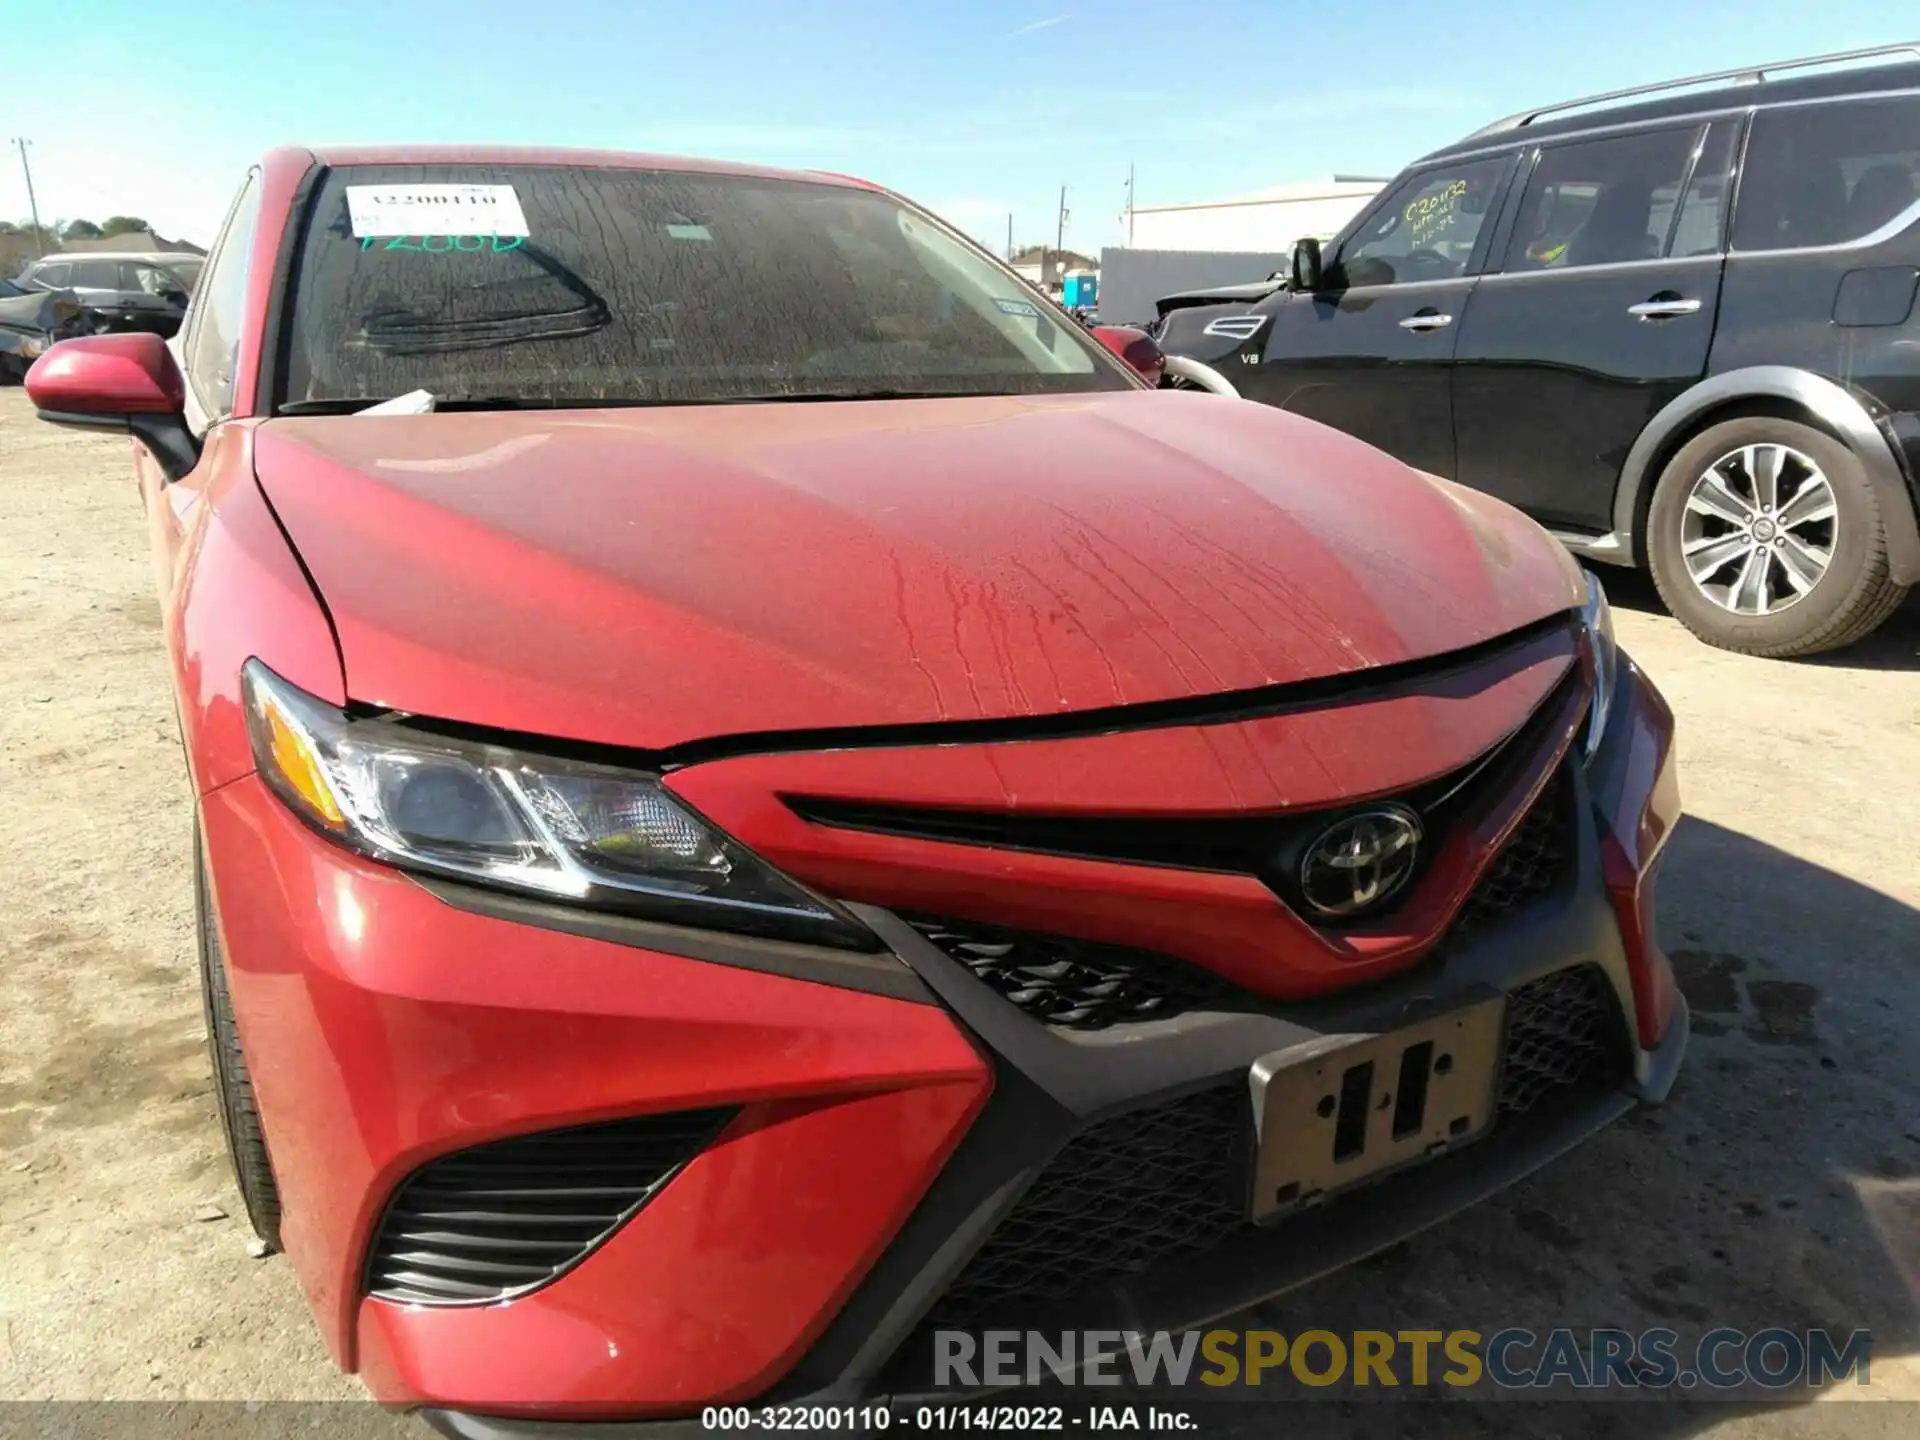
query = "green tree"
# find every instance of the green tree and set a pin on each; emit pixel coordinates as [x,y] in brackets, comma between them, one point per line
[81,230]
[123,225]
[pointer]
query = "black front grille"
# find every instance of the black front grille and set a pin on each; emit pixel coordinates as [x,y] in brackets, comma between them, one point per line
[1170,1180]
[1078,984]
[1563,1032]
[496,1220]
[1075,984]
[1122,1195]
[1530,864]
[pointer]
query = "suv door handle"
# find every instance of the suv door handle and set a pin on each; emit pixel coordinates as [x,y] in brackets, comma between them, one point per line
[1426,320]
[1662,309]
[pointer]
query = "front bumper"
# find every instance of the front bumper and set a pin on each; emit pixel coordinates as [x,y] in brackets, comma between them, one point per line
[892,1116]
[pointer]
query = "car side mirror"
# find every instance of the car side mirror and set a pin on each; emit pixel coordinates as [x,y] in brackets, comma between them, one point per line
[1139,350]
[118,382]
[175,297]
[1306,272]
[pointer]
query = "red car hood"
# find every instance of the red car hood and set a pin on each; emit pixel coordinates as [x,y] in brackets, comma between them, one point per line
[648,577]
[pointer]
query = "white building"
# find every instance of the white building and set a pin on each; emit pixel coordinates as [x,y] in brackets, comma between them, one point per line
[1266,220]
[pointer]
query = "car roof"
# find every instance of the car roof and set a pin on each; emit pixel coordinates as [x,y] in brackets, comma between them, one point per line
[332,155]
[1523,130]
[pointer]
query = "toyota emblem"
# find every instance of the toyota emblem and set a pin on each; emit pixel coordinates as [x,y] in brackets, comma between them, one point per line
[1356,863]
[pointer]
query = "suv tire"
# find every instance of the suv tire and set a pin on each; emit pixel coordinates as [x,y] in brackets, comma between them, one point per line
[1848,598]
[233,1088]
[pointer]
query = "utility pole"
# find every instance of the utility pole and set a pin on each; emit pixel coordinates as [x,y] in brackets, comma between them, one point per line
[1009,236]
[1129,206]
[20,143]
[1060,236]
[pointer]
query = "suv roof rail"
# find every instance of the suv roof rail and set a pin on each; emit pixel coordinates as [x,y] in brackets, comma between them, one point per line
[1744,75]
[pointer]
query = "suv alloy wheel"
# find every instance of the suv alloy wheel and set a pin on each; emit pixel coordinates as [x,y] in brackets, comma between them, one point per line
[1765,538]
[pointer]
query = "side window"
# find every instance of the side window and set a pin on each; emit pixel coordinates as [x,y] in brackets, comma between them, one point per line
[1701,226]
[1601,202]
[219,305]
[56,276]
[1427,229]
[1826,174]
[146,279]
[95,275]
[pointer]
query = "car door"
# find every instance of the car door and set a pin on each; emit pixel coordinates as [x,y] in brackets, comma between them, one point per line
[1368,350]
[97,283]
[1599,311]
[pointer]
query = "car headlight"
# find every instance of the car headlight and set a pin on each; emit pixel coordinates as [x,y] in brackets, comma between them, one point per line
[581,833]
[1597,616]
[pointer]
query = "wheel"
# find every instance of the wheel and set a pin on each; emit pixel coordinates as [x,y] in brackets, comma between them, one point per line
[233,1090]
[1766,538]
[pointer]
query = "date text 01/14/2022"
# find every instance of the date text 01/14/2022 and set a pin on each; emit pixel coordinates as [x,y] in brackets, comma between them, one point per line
[813,1419]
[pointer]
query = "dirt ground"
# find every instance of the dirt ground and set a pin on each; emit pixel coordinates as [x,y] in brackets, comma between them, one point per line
[1781,1186]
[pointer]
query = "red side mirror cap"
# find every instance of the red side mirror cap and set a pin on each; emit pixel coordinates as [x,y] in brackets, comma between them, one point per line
[1138,349]
[102,376]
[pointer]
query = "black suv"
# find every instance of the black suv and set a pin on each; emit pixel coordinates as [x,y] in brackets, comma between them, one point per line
[1678,330]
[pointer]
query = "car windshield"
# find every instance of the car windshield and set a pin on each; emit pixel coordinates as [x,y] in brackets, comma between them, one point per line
[568,285]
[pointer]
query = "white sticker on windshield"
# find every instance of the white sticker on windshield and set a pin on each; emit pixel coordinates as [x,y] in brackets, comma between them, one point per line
[1018,307]
[435,210]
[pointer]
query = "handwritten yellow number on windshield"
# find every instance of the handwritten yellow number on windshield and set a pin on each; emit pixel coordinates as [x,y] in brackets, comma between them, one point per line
[1431,215]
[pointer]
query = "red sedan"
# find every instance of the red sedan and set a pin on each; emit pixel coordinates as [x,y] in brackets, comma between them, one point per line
[762,794]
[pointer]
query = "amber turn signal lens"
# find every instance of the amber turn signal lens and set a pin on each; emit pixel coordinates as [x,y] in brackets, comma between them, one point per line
[293,757]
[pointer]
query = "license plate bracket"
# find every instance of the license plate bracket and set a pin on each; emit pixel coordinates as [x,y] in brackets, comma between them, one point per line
[1346,1108]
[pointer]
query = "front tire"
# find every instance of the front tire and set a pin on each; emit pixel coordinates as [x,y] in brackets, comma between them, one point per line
[233,1087]
[1766,538]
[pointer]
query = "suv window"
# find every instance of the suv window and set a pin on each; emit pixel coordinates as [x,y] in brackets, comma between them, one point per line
[1426,230]
[140,278]
[1825,174]
[54,277]
[213,350]
[95,275]
[1701,226]
[1601,202]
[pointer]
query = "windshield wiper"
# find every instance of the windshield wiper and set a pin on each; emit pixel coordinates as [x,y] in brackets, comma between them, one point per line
[465,402]
[807,397]
[535,402]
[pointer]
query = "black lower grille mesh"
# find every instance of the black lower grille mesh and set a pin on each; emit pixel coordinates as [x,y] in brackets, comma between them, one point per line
[1170,1180]
[1563,1031]
[496,1220]
[1121,1195]
[1077,984]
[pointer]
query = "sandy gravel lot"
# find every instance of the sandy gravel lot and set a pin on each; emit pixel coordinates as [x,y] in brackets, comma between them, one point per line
[1781,1186]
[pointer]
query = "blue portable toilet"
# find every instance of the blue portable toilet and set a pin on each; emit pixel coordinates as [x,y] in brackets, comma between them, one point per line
[1080,289]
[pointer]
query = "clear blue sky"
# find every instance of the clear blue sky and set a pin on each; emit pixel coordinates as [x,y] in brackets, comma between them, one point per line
[977,109]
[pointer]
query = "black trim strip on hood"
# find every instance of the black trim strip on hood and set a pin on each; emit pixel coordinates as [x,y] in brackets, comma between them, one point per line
[1232,707]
